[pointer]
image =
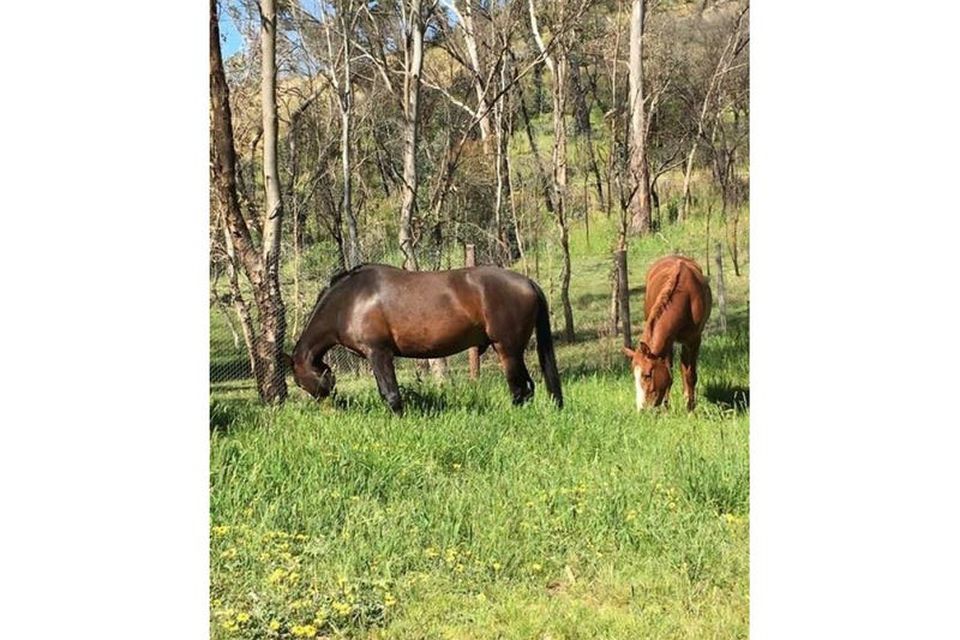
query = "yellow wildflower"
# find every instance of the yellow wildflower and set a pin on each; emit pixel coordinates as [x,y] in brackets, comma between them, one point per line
[536,567]
[303,631]
[220,530]
[389,600]
[431,552]
[229,553]
[342,608]
[274,625]
[276,576]
[243,617]
[229,625]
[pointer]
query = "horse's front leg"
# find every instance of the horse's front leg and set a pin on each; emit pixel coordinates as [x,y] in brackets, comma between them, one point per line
[688,365]
[386,375]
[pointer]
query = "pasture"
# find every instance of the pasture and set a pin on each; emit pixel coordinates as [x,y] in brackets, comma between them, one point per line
[470,518]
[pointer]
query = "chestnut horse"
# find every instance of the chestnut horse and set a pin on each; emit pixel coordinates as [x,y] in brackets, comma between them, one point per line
[380,312]
[676,307]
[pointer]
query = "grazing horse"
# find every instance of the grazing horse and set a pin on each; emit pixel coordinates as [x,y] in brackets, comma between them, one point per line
[676,306]
[380,312]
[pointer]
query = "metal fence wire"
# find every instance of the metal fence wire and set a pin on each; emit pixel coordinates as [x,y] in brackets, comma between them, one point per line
[230,363]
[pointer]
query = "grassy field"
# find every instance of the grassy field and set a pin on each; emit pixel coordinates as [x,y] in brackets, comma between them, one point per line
[469,518]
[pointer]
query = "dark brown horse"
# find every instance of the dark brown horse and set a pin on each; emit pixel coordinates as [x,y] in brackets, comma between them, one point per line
[676,307]
[381,312]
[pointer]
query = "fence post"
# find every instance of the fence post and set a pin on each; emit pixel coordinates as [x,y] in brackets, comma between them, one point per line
[721,298]
[623,289]
[474,352]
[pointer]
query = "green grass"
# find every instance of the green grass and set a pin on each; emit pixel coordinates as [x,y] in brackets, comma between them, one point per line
[470,518]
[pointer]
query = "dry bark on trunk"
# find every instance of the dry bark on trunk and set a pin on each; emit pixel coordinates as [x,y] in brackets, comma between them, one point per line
[639,168]
[272,313]
[261,268]
[346,124]
[413,67]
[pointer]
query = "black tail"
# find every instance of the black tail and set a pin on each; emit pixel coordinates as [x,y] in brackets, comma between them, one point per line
[548,362]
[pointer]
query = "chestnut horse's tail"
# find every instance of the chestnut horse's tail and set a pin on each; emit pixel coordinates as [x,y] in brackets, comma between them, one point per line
[548,362]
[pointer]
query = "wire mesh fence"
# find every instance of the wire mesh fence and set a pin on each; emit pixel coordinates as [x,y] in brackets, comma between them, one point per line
[231,366]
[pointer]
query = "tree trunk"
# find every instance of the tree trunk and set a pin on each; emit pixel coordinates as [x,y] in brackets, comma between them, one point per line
[687,172]
[557,64]
[534,149]
[639,169]
[413,59]
[272,314]
[581,112]
[721,295]
[614,297]
[470,37]
[261,269]
[623,291]
[346,124]
[470,260]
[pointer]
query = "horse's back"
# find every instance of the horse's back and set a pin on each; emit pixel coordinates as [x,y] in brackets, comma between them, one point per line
[437,313]
[692,289]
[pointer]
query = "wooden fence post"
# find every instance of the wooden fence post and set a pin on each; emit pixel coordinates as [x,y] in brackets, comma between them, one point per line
[623,289]
[474,352]
[721,298]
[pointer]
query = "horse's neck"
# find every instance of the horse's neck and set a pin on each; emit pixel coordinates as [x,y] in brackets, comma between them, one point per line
[658,338]
[317,341]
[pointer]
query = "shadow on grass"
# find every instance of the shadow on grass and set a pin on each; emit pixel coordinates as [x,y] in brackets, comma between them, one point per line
[584,300]
[225,413]
[734,397]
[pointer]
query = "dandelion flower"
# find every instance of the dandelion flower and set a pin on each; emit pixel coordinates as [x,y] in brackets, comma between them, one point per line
[304,631]
[342,608]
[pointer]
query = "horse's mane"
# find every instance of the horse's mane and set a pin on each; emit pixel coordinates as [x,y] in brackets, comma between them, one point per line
[334,279]
[663,300]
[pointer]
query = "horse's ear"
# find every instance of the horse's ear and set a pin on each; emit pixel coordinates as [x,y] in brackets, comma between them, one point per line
[644,349]
[630,353]
[287,360]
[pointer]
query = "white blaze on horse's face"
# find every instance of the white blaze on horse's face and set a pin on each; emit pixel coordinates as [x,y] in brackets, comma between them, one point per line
[641,394]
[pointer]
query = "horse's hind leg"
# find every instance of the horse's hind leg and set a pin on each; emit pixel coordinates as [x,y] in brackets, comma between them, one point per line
[386,375]
[518,378]
[688,365]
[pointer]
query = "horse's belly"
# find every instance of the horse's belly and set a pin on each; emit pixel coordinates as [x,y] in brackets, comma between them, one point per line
[439,337]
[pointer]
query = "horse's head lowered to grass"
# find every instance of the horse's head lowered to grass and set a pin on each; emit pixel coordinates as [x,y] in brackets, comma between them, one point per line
[316,378]
[651,375]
